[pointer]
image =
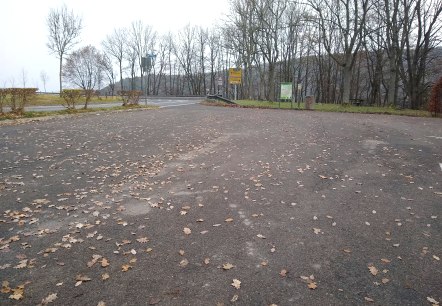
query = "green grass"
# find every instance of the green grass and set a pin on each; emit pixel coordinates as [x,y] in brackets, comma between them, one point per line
[54,99]
[32,114]
[336,108]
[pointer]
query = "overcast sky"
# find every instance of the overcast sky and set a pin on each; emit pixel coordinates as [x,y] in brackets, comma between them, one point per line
[24,32]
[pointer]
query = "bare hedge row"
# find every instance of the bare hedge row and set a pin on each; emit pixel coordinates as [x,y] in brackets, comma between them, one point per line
[16,98]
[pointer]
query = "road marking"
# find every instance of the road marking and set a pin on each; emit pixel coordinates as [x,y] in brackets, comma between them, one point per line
[164,106]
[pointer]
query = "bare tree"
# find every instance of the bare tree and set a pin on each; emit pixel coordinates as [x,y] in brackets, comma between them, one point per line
[424,25]
[108,69]
[141,39]
[115,45]
[24,77]
[83,69]
[44,77]
[345,19]
[64,30]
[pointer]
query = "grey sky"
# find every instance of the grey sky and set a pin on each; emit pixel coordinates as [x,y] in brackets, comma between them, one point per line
[23,33]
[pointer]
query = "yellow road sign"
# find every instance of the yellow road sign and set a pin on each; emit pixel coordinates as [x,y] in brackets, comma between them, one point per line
[235,75]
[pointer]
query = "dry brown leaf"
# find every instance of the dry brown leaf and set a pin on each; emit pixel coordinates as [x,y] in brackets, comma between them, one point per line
[234,298]
[184,263]
[22,264]
[264,263]
[105,276]
[373,270]
[384,260]
[126,267]
[104,263]
[368,299]
[18,295]
[229,220]
[49,299]
[143,240]
[5,287]
[347,251]
[317,230]
[82,278]
[261,236]
[101,303]
[385,280]
[227,266]
[283,273]
[236,283]
[312,285]
[187,231]
[154,301]
[206,261]
[181,252]
[432,300]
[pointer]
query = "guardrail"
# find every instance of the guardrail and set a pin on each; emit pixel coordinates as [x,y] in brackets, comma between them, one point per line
[218,97]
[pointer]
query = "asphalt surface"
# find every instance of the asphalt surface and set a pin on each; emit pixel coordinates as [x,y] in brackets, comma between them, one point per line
[161,102]
[200,205]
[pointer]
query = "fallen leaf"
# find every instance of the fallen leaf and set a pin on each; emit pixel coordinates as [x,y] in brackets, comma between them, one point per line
[229,220]
[385,280]
[5,287]
[18,295]
[181,252]
[347,250]
[154,301]
[49,299]
[317,230]
[264,263]
[234,298]
[82,278]
[283,273]
[227,266]
[105,276]
[312,285]
[187,231]
[384,260]
[261,236]
[207,261]
[184,263]
[368,299]
[432,300]
[373,270]
[101,303]
[436,257]
[126,267]
[236,283]
[104,263]
[143,240]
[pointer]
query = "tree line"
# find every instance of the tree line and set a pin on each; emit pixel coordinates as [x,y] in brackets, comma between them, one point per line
[382,52]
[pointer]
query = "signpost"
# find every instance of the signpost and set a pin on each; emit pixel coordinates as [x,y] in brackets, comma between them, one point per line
[286,92]
[235,78]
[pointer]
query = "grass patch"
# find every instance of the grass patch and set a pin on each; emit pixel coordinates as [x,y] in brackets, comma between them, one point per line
[327,108]
[33,114]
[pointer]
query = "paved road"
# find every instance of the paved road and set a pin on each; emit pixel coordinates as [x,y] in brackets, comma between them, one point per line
[204,205]
[162,102]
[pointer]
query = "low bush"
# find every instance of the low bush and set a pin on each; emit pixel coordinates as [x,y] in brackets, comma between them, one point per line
[71,97]
[130,97]
[16,98]
[435,104]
